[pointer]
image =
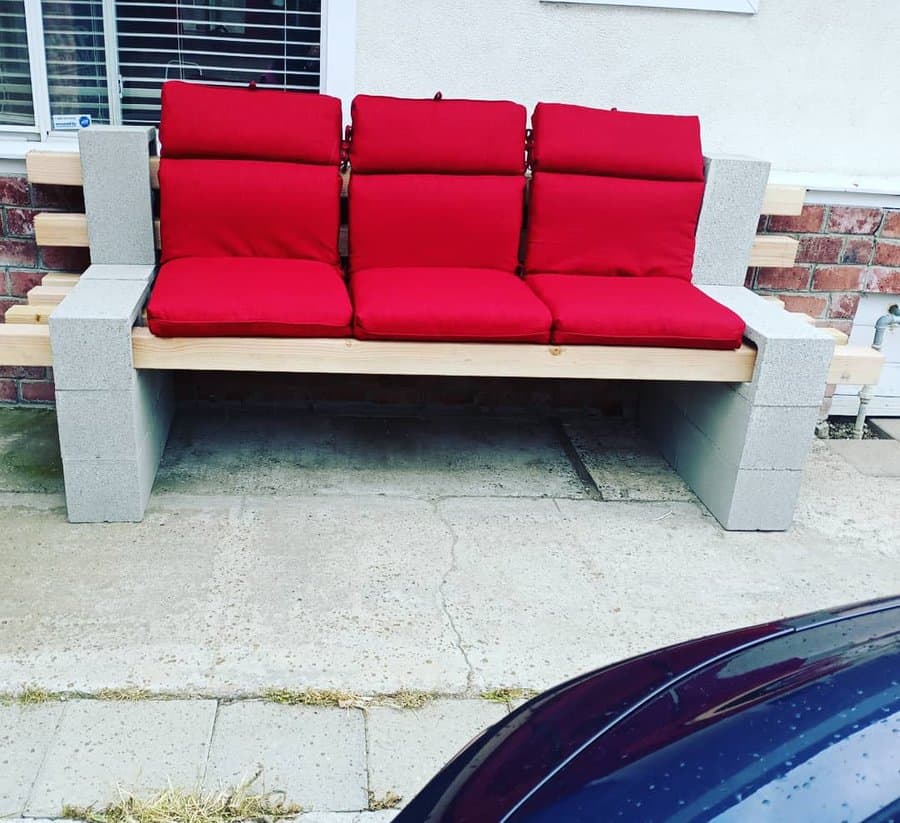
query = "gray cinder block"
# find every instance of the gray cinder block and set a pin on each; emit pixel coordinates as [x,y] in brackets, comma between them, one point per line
[735,188]
[119,271]
[117,194]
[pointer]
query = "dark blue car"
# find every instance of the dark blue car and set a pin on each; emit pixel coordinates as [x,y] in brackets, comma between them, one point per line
[797,720]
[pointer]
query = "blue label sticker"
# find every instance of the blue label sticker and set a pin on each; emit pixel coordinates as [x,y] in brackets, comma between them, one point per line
[84,121]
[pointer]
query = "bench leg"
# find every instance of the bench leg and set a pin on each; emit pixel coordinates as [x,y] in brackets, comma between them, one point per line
[742,447]
[113,420]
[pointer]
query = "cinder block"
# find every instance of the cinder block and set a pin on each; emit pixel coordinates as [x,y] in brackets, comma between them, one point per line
[110,271]
[763,500]
[733,197]
[117,195]
[105,491]
[90,334]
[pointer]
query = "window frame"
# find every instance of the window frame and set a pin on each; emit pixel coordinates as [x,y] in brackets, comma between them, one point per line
[736,6]
[336,77]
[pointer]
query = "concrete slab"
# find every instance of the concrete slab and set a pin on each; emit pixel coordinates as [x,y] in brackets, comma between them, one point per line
[623,463]
[875,458]
[406,747]
[317,757]
[25,734]
[888,425]
[141,747]
[344,817]
[29,451]
[299,453]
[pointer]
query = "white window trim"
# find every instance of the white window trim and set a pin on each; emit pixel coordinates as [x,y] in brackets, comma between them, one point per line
[337,78]
[737,6]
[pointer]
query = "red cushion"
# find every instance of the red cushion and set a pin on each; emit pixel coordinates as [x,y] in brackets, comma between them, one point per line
[435,220]
[446,304]
[649,311]
[249,297]
[579,224]
[391,134]
[247,208]
[254,124]
[616,143]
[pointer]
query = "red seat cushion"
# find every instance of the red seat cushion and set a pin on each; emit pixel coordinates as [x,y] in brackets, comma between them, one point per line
[446,304]
[249,297]
[629,311]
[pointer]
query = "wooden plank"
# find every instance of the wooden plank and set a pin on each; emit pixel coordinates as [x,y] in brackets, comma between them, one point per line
[27,315]
[61,229]
[348,356]
[48,295]
[55,278]
[855,365]
[773,250]
[784,200]
[63,168]
[25,345]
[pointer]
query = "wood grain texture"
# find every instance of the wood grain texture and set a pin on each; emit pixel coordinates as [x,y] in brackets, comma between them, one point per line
[783,200]
[26,315]
[25,345]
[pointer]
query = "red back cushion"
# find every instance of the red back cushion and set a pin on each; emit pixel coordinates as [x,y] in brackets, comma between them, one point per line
[614,193]
[436,183]
[249,173]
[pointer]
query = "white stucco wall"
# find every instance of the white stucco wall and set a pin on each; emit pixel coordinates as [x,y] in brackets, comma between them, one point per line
[812,85]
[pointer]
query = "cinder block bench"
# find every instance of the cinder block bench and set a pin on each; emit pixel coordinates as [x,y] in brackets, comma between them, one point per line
[606,289]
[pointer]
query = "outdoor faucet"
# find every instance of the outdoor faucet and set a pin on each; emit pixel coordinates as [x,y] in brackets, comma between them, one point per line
[886,321]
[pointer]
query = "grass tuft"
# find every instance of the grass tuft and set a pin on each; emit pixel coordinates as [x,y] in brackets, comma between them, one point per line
[389,800]
[407,698]
[35,695]
[177,806]
[126,693]
[313,697]
[507,695]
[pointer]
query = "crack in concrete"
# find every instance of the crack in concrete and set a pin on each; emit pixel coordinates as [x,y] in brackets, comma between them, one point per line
[442,593]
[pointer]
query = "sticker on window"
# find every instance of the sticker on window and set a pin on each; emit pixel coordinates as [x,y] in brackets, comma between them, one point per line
[71,122]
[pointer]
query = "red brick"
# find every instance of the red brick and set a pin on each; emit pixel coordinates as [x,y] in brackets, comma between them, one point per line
[844,305]
[42,392]
[853,220]
[761,223]
[20,222]
[858,250]
[887,253]
[750,277]
[809,220]
[17,252]
[883,281]
[21,281]
[807,304]
[5,303]
[65,198]
[839,278]
[891,225]
[819,249]
[8,392]
[846,326]
[31,372]
[65,259]
[793,279]
[14,191]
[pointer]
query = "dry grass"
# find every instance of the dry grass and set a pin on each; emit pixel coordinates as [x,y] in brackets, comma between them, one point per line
[176,806]
[314,697]
[126,693]
[507,695]
[35,695]
[407,699]
[389,800]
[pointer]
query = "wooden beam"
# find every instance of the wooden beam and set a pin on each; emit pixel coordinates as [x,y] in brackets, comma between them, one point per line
[774,251]
[21,314]
[783,200]
[63,168]
[25,346]
[348,356]
[48,295]
[855,366]
[56,278]
[61,229]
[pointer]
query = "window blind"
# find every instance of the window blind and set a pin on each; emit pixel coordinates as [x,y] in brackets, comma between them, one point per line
[16,106]
[274,43]
[76,60]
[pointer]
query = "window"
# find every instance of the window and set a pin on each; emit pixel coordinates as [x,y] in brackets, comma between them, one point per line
[740,6]
[67,63]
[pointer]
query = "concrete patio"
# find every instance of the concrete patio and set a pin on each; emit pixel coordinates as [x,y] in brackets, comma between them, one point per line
[444,554]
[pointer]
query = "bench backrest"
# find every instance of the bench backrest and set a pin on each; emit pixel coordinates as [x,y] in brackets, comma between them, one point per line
[613,193]
[249,173]
[436,183]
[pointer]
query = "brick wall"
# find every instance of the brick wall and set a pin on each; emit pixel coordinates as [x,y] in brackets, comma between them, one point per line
[22,265]
[845,252]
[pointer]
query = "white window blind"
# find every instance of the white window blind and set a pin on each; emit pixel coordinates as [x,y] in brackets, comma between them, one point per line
[74,43]
[274,43]
[16,106]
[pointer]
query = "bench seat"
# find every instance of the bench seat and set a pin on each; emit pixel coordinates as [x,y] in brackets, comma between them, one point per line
[635,311]
[249,297]
[451,304]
